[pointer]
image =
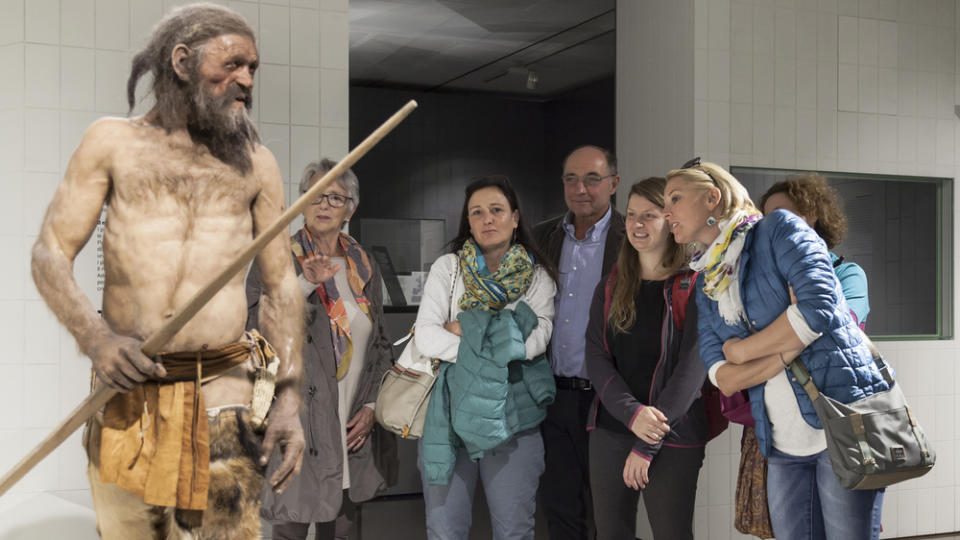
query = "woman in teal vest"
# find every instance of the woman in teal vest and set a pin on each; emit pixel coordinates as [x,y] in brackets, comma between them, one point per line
[486,313]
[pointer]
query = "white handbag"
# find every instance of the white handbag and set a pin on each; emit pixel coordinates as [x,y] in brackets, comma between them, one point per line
[405,388]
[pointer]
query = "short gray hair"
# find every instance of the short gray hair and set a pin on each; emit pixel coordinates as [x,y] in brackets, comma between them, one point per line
[348,181]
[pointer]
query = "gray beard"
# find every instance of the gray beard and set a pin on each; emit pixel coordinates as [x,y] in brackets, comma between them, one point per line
[229,135]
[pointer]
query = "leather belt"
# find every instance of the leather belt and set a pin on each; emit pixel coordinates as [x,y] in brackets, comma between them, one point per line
[572,383]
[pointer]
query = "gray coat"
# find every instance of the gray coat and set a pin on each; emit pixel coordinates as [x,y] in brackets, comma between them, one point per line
[316,493]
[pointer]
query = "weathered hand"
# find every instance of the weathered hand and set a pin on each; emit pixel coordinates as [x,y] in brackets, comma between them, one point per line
[283,426]
[635,472]
[650,425]
[731,350]
[319,269]
[358,428]
[120,364]
[453,327]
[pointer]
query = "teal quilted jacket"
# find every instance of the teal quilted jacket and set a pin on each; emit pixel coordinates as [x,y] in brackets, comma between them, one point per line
[490,394]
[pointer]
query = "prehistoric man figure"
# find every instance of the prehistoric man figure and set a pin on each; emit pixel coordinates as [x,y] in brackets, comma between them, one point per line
[186,188]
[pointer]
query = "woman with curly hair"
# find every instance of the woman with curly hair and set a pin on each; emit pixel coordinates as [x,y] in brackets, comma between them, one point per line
[809,197]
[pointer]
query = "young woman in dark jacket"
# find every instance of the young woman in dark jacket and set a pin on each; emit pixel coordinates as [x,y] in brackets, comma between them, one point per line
[649,428]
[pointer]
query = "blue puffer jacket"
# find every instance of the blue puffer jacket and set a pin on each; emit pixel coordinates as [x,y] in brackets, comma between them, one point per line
[783,250]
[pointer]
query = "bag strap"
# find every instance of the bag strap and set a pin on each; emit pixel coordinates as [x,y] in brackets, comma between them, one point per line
[800,372]
[453,284]
[681,287]
[877,358]
[869,463]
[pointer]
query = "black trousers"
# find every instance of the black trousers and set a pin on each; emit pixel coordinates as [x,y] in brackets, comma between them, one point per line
[669,497]
[565,485]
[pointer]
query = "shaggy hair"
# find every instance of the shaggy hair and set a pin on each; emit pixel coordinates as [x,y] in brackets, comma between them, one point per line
[623,312]
[184,104]
[817,201]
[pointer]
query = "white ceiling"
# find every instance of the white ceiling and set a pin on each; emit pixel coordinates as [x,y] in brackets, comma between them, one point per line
[482,45]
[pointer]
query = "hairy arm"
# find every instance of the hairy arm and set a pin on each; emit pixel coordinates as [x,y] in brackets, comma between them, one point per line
[280,316]
[66,228]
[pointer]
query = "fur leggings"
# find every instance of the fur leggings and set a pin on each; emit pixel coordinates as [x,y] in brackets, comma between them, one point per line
[233,503]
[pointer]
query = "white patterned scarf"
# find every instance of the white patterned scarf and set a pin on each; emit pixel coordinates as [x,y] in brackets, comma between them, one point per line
[720,265]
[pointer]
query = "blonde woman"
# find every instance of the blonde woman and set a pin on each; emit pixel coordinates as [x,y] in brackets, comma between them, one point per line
[750,331]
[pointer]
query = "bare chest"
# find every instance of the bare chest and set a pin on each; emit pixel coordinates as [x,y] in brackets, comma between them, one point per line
[160,179]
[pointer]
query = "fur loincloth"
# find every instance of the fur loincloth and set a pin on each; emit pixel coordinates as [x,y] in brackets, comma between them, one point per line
[234,492]
[236,482]
[155,440]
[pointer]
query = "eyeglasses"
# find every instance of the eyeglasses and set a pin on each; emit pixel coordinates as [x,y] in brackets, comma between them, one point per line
[335,200]
[590,180]
[695,162]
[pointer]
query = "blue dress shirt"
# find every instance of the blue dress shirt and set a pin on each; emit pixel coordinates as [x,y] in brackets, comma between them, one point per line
[580,269]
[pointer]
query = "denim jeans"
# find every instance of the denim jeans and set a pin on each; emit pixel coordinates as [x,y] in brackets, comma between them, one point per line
[807,502]
[510,474]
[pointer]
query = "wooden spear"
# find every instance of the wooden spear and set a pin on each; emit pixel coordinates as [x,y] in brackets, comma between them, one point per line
[99,397]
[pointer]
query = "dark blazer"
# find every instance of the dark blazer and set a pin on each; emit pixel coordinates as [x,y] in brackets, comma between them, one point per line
[549,236]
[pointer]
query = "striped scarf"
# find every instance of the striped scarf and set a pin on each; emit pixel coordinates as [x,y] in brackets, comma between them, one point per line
[493,291]
[358,274]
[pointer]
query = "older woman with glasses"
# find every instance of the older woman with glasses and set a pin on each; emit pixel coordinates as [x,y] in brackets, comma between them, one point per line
[345,354]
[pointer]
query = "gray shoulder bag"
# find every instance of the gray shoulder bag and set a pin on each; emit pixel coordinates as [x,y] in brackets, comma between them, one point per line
[875,441]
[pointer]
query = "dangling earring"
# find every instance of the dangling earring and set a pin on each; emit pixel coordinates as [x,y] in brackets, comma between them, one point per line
[711,221]
[513,240]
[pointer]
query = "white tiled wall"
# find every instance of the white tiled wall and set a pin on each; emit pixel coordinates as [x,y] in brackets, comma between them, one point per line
[840,85]
[66,63]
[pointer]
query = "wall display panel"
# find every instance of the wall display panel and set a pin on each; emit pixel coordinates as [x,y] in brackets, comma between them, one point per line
[404,249]
[900,231]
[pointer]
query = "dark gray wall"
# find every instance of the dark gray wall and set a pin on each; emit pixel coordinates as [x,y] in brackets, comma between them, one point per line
[420,170]
[582,116]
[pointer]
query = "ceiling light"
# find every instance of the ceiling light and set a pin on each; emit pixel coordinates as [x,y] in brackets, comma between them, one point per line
[532,80]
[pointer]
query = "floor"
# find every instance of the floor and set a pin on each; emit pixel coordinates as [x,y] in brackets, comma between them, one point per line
[69,515]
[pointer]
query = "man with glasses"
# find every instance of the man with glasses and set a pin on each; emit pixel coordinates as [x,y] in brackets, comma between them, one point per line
[583,243]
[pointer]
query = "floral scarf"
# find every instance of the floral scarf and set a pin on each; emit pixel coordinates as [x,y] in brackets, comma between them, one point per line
[493,291]
[358,274]
[720,265]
